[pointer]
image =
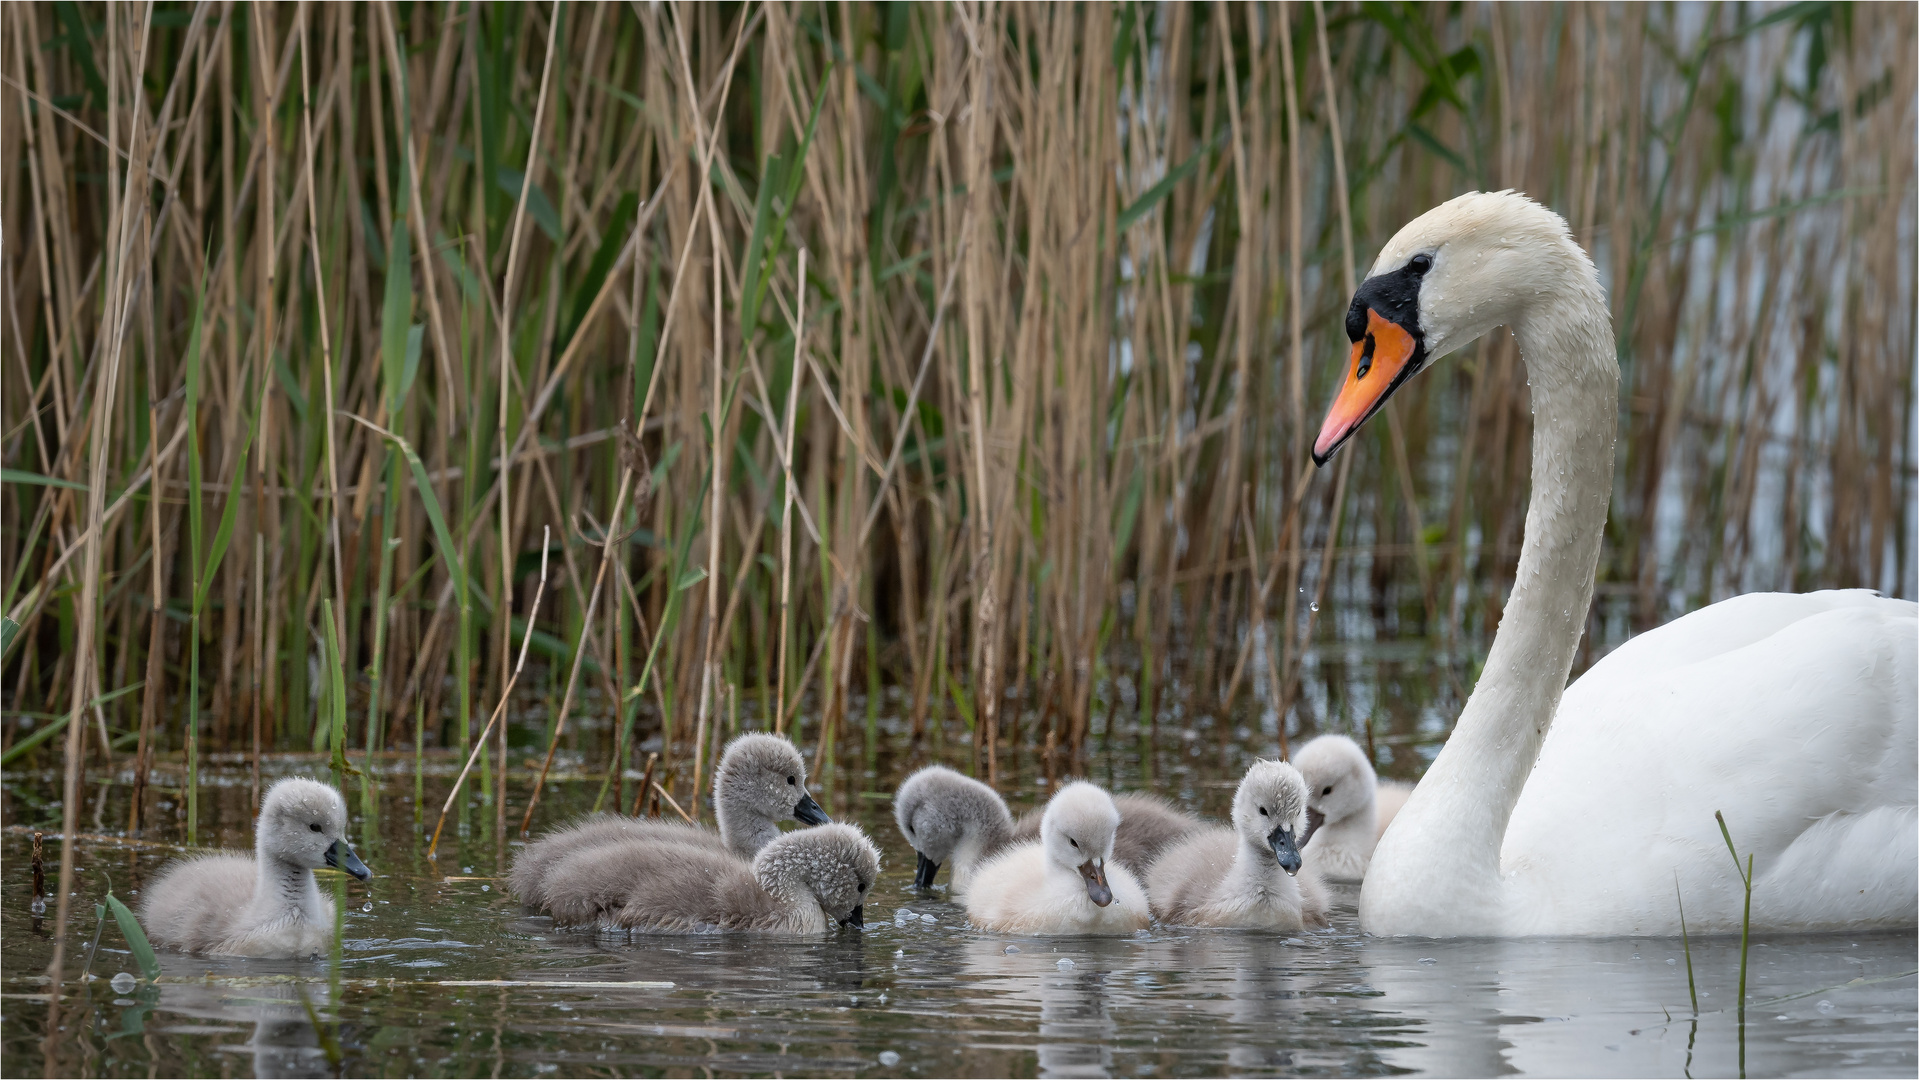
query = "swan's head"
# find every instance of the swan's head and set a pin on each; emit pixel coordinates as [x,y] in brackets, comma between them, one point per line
[836,866]
[1077,832]
[763,778]
[1339,780]
[938,809]
[303,822]
[1269,811]
[1458,270]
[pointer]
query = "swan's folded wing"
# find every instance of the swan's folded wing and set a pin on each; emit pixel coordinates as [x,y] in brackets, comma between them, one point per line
[194,903]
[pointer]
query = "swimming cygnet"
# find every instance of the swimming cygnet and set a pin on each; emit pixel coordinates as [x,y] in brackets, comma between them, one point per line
[1245,875]
[761,781]
[948,817]
[1148,825]
[804,882]
[1066,882]
[267,904]
[1347,806]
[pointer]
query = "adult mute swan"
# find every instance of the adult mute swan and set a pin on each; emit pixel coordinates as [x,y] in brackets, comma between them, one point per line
[1794,715]
[266,905]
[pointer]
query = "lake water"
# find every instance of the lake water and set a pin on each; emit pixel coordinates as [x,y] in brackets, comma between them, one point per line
[443,975]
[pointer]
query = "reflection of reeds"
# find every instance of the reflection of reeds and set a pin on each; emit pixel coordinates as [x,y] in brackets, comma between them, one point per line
[1072,288]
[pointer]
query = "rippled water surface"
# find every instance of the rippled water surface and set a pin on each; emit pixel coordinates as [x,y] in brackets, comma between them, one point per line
[442,975]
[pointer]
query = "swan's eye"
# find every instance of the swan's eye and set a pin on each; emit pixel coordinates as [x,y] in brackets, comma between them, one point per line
[792,780]
[1263,813]
[1328,791]
[315,826]
[1420,264]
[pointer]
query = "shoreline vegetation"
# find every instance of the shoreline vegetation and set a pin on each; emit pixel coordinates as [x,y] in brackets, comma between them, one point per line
[968,352]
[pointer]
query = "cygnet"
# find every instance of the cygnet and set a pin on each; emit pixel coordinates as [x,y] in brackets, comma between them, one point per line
[267,904]
[761,781]
[1148,825]
[1347,806]
[804,882]
[1244,876]
[950,818]
[1066,882]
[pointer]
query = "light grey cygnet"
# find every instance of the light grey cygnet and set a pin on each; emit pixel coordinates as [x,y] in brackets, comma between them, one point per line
[1248,875]
[266,904]
[804,882]
[761,782]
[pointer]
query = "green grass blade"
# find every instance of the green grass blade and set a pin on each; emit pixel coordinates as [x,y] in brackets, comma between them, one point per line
[335,674]
[136,938]
[1154,195]
[224,534]
[8,631]
[21,476]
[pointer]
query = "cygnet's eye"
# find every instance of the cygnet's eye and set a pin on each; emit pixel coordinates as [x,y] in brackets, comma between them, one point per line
[1328,791]
[315,826]
[1420,263]
[1072,841]
[862,886]
[792,780]
[1263,813]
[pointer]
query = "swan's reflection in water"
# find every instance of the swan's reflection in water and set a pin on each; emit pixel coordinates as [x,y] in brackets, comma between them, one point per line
[1074,1003]
[284,1042]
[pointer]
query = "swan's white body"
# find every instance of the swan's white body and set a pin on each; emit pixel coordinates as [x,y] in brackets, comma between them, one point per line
[1794,715]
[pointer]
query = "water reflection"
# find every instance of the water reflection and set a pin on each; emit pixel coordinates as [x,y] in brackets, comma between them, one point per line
[284,1041]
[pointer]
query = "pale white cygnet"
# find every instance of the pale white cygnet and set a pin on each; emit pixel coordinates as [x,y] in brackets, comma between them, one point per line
[1248,875]
[1066,882]
[1347,806]
[804,882]
[950,819]
[1148,825]
[761,782]
[267,904]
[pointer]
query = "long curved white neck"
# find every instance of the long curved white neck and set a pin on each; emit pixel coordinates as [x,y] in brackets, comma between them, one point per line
[1437,869]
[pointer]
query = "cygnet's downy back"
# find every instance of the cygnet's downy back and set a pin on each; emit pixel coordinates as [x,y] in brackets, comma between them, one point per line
[267,905]
[948,817]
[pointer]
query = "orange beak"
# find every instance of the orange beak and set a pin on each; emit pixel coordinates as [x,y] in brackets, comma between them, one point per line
[1385,357]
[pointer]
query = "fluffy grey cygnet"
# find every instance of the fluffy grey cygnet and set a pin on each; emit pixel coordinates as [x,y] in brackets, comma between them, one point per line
[1066,882]
[951,818]
[1244,876]
[761,782]
[267,904]
[1347,807]
[804,882]
[1148,825]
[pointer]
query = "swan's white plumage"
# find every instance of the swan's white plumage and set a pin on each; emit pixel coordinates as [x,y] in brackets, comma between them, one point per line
[1586,809]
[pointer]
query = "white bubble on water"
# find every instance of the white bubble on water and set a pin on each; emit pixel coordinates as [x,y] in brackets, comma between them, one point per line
[889,1059]
[1825,1006]
[123,983]
[1065,965]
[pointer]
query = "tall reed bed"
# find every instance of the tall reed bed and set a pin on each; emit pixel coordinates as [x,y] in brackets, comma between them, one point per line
[971,350]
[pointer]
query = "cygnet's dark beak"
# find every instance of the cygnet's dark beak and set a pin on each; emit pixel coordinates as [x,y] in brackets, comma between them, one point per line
[1314,819]
[856,917]
[809,813]
[924,873]
[1094,871]
[1283,847]
[341,857]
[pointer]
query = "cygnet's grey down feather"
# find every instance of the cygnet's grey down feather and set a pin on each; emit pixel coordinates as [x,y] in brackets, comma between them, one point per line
[761,781]
[1244,876]
[1148,824]
[267,905]
[803,882]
